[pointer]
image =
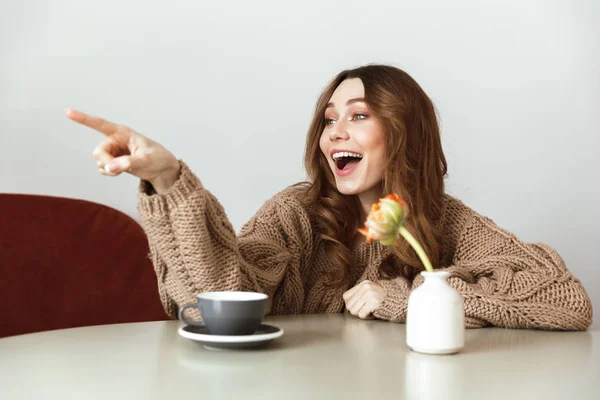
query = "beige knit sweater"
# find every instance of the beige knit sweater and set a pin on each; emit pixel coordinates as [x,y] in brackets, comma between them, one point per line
[504,281]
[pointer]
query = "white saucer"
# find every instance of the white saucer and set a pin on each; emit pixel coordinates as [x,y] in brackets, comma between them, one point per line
[264,334]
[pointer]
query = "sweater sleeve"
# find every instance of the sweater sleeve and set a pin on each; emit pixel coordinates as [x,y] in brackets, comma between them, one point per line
[504,282]
[395,302]
[508,283]
[194,247]
[394,306]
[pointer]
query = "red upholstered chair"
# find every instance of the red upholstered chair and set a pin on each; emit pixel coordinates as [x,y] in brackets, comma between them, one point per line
[69,263]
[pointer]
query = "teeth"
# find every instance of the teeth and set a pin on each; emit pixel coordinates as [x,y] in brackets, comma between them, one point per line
[340,154]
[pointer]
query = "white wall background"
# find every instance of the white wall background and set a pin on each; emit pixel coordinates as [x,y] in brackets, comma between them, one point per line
[229,86]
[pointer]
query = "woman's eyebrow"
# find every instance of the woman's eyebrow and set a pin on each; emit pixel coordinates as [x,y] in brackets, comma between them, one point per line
[351,101]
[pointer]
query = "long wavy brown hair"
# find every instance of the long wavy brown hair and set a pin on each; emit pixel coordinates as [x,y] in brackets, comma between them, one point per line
[415,169]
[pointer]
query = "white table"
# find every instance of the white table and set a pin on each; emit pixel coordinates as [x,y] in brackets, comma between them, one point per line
[319,357]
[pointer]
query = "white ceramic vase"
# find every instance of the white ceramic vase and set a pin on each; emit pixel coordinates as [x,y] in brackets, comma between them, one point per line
[435,319]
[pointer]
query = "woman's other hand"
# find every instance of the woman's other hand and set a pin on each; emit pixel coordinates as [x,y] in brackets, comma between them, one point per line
[364,298]
[125,150]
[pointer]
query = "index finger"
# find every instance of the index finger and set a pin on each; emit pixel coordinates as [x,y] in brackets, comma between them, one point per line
[97,123]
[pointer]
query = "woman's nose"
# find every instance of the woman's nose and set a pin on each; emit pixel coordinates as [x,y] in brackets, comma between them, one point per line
[339,132]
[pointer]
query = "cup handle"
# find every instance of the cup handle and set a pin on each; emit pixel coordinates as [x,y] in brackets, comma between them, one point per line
[182,318]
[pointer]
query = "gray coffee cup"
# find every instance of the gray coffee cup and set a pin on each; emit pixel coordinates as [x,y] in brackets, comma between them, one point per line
[228,313]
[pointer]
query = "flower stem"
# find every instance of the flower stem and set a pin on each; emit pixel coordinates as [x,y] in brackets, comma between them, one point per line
[415,245]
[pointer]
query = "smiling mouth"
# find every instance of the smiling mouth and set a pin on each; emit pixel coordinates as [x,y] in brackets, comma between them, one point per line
[346,162]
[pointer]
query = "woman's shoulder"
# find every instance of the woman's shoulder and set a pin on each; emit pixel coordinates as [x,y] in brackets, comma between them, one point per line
[288,202]
[454,207]
[286,212]
[455,214]
[457,218]
[456,211]
[294,195]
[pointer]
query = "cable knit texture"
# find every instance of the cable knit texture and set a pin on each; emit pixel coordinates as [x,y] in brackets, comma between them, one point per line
[504,281]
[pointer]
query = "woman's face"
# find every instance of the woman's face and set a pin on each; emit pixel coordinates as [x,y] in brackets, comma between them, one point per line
[353,141]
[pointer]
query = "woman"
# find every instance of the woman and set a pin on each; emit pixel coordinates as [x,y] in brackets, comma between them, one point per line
[374,132]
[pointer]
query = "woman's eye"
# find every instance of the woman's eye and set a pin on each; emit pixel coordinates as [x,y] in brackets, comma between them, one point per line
[359,116]
[329,121]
